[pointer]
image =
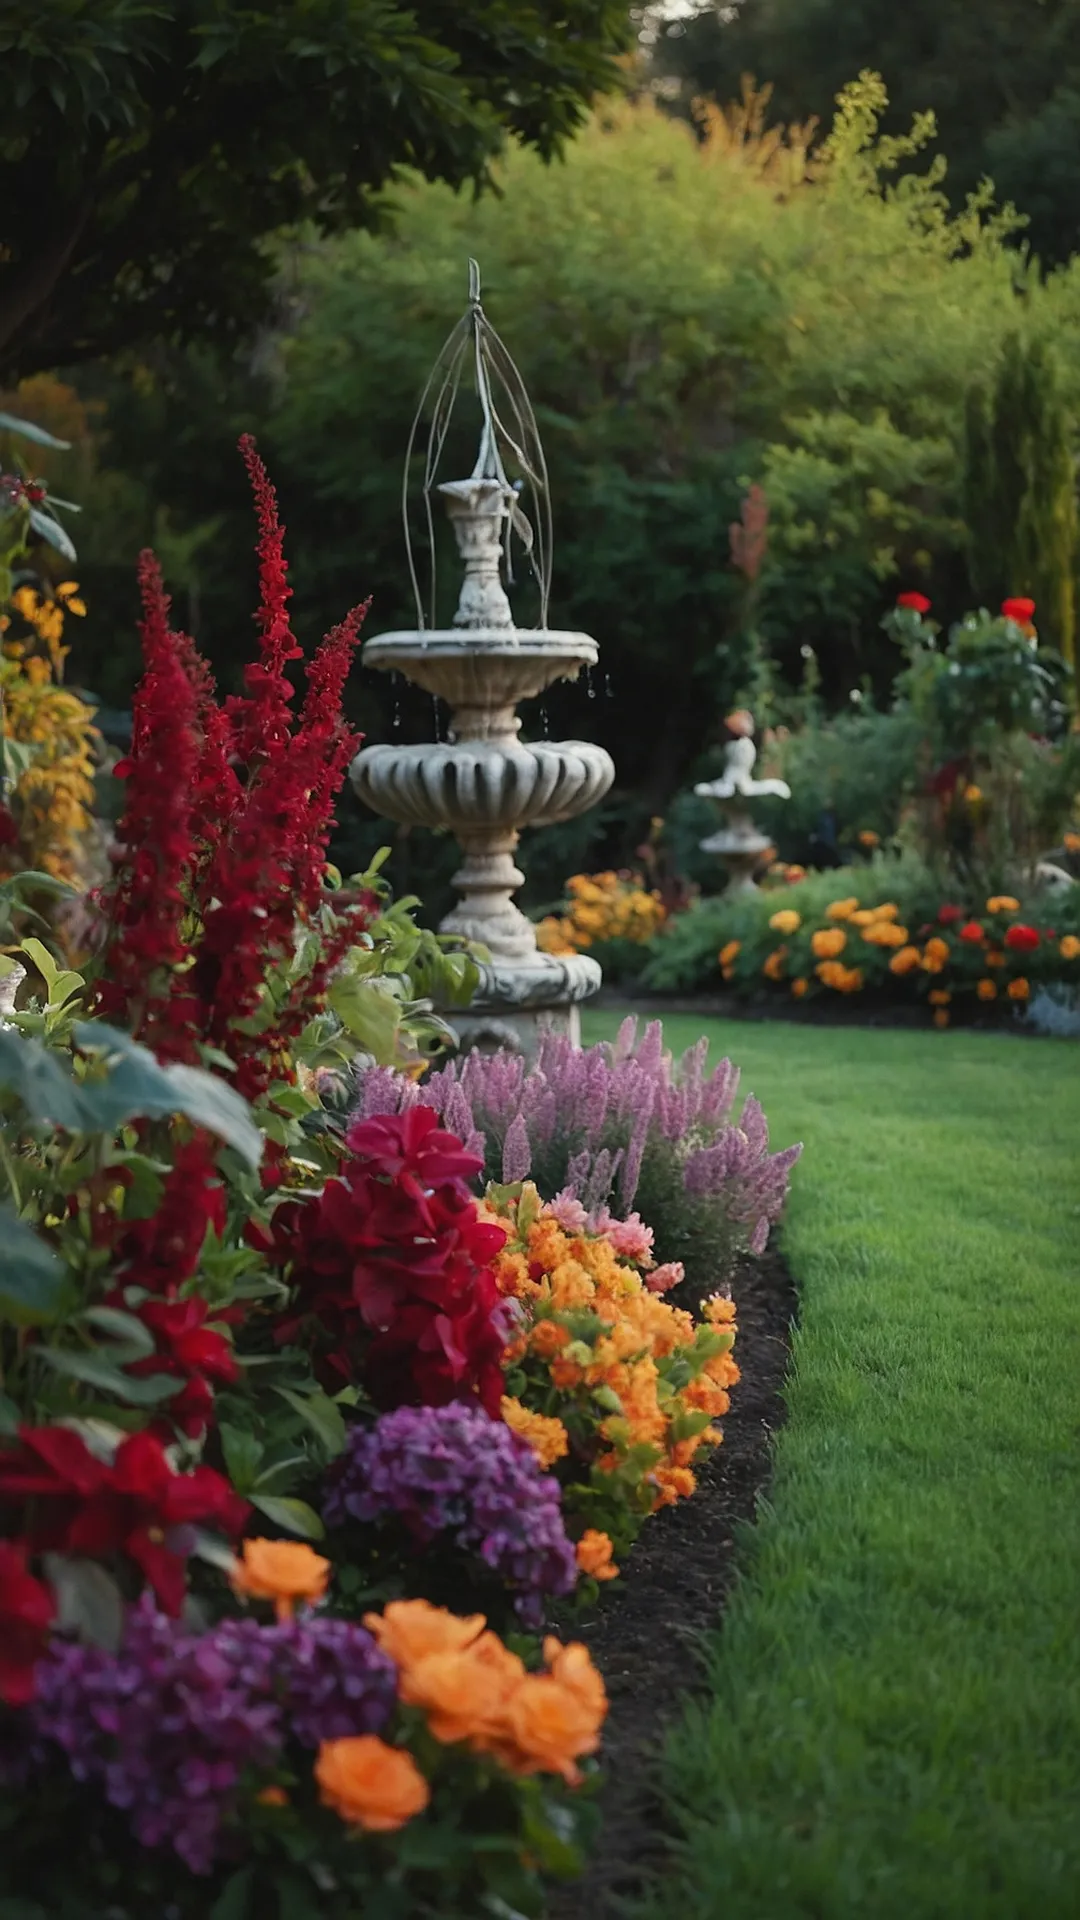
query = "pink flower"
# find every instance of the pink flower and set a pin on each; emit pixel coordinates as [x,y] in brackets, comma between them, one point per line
[662,1279]
[631,1239]
[567,1212]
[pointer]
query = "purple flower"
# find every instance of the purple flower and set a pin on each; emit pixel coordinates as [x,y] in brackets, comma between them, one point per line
[453,1470]
[167,1726]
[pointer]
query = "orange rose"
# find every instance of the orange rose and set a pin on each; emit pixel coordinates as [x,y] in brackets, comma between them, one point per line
[594,1555]
[370,1784]
[464,1694]
[986,989]
[550,1725]
[412,1630]
[828,942]
[283,1571]
[572,1667]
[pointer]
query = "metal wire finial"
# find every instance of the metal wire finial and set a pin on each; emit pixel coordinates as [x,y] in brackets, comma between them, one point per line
[507,435]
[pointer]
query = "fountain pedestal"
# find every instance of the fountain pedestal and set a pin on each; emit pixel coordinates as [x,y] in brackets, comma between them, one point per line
[484,782]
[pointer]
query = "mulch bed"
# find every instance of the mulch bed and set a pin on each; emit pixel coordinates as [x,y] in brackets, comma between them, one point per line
[643,1635]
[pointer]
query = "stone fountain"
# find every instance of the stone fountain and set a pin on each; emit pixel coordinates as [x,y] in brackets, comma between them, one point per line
[739,843]
[484,781]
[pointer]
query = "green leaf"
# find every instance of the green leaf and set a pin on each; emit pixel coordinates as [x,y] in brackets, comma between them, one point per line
[243,1453]
[88,1602]
[34,1285]
[322,1416]
[234,1900]
[27,430]
[125,1329]
[53,532]
[370,1014]
[292,1516]
[94,1371]
[138,1086]
[43,961]
[38,1080]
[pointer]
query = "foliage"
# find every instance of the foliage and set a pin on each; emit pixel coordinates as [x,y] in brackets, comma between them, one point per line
[1020,489]
[152,150]
[1003,81]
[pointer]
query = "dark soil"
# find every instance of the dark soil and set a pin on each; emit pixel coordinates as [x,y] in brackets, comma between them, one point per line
[643,1635]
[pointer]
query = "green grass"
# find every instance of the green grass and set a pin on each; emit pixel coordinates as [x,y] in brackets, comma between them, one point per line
[891,1728]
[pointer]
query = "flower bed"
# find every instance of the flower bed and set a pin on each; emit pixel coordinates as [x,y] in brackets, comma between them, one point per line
[314,1436]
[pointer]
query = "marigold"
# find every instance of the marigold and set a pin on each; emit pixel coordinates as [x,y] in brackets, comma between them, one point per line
[773,967]
[371,1785]
[546,1436]
[799,987]
[728,954]
[786,921]
[940,997]
[595,1555]
[941,1017]
[935,955]
[995,957]
[1071,842]
[828,942]
[1019,989]
[833,973]
[283,1571]
[905,960]
[868,838]
[986,989]
[409,1631]
[884,933]
[1002,903]
[1069,947]
[842,909]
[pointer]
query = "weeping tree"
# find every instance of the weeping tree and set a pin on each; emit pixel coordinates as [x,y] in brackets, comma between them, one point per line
[1020,489]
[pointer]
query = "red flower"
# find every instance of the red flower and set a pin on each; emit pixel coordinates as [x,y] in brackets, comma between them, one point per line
[972,933]
[162,1252]
[194,1353]
[914,602]
[137,1506]
[1022,937]
[412,1147]
[27,1609]
[9,828]
[1021,610]
[948,915]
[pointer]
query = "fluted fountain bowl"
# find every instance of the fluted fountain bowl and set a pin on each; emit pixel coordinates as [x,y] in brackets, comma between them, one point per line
[473,785]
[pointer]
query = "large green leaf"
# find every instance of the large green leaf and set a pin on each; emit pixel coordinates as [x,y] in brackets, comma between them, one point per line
[40,1082]
[321,1415]
[139,1086]
[33,1283]
[292,1516]
[28,430]
[94,1370]
[371,1015]
[88,1601]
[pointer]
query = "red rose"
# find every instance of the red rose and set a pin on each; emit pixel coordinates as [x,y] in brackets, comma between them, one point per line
[1020,610]
[914,602]
[137,1506]
[1021,937]
[26,1613]
[973,933]
[948,915]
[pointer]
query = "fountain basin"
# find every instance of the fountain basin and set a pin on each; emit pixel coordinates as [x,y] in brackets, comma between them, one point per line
[471,785]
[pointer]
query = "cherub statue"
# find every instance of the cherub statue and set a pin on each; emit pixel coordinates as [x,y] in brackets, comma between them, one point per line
[736,781]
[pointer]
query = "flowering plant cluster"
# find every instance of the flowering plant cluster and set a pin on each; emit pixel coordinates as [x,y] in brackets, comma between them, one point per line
[609,1383]
[623,1124]
[984,954]
[602,908]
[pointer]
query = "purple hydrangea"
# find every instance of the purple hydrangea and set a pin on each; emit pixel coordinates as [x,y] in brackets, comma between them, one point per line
[453,1470]
[167,1726]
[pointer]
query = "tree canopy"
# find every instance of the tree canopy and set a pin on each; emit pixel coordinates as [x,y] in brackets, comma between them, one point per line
[1002,78]
[148,148]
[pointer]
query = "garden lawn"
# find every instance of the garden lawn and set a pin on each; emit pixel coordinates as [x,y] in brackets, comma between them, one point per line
[891,1725]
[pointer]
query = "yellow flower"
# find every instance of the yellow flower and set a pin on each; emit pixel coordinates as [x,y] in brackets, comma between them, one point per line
[1018,990]
[727,954]
[773,968]
[1002,903]
[799,987]
[986,989]
[68,592]
[1069,948]
[972,795]
[828,942]
[786,921]
[841,909]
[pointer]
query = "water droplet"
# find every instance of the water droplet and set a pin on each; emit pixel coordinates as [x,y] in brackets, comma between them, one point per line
[609,691]
[545,728]
[589,688]
[435,715]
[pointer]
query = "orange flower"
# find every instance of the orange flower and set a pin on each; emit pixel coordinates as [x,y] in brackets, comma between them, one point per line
[550,1724]
[905,960]
[727,954]
[283,1571]
[1018,990]
[672,1484]
[986,989]
[370,1784]
[773,968]
[547,1339]
[799,987]
[833,973]
[1069,947]
[868,838]
[464,1694]
[828,942]
[719,1309]
[548,1438]
[1002,903]
[884,933]
[411,1630]
[786,921]
[935,955]
[566,1374]
[941,1017]
[940,997]
[1071,842]
[594,1555]
[572,1667]
[841,909]
[272,1797]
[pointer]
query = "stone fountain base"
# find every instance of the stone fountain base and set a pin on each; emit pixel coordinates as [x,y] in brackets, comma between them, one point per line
[515,1004]
[740,846]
